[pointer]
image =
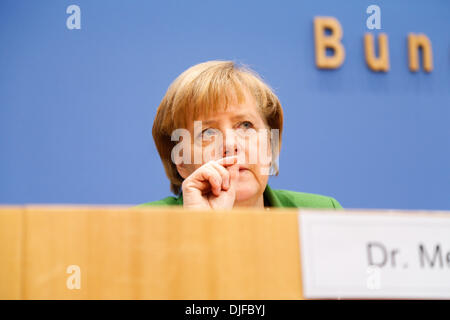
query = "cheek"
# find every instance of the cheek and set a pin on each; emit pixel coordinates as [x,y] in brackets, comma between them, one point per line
[265,147]
[258,151]
[252,177]
[212,150]
[198,155]
[210,153]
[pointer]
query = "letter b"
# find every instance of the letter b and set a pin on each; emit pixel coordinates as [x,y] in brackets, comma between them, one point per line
[332,41]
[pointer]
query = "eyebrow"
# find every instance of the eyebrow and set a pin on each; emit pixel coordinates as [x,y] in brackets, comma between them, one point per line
[238,116]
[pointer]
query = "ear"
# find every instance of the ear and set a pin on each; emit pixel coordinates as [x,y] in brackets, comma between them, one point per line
[183,170]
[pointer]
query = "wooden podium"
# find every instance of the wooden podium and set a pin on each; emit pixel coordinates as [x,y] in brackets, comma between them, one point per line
[154,253]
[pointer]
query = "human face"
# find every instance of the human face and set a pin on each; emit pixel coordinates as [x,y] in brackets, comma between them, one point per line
[237,130]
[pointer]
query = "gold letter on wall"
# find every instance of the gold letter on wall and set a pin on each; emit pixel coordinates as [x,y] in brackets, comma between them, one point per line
[414,42]
[382,62]
[332,41]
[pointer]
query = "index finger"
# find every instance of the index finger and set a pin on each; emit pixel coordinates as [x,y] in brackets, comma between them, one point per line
[228,161]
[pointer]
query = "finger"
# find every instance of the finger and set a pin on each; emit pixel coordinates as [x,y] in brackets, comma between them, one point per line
[203,186]
[205,179]
[213,177]
[224,173]
[227,161]
[234,174]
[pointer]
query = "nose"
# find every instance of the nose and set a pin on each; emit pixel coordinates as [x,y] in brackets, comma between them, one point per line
[231,144]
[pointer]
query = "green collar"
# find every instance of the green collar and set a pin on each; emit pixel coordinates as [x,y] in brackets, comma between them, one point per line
[269,195]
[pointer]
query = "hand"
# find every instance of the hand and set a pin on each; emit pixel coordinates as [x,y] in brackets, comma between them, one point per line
[213,185]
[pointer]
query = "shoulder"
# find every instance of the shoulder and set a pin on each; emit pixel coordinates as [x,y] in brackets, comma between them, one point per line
[306,200]
[168,201]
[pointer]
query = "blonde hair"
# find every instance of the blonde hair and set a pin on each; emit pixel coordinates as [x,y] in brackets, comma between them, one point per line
[201,90]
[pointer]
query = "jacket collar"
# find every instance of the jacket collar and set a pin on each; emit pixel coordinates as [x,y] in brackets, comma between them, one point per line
[271,197]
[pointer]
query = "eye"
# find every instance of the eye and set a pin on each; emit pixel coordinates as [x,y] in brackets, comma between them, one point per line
[209,132]
[246,124]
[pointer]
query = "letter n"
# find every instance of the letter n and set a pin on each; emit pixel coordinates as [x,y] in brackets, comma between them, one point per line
[416,41]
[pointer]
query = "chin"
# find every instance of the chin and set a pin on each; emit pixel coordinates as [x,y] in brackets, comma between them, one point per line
[246,191]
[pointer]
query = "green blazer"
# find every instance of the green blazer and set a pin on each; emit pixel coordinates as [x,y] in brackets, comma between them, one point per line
[272,198]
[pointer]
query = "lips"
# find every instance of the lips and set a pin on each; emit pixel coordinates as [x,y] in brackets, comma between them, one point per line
[243,168]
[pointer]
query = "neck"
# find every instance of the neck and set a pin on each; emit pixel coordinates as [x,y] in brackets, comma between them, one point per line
[255,203]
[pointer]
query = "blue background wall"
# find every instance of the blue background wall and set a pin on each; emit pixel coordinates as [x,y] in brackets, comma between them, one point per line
[77,106]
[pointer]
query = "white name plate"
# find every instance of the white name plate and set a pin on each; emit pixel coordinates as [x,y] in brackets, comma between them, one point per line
[363,254]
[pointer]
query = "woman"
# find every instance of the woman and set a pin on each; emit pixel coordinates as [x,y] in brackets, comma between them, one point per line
[218,133]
